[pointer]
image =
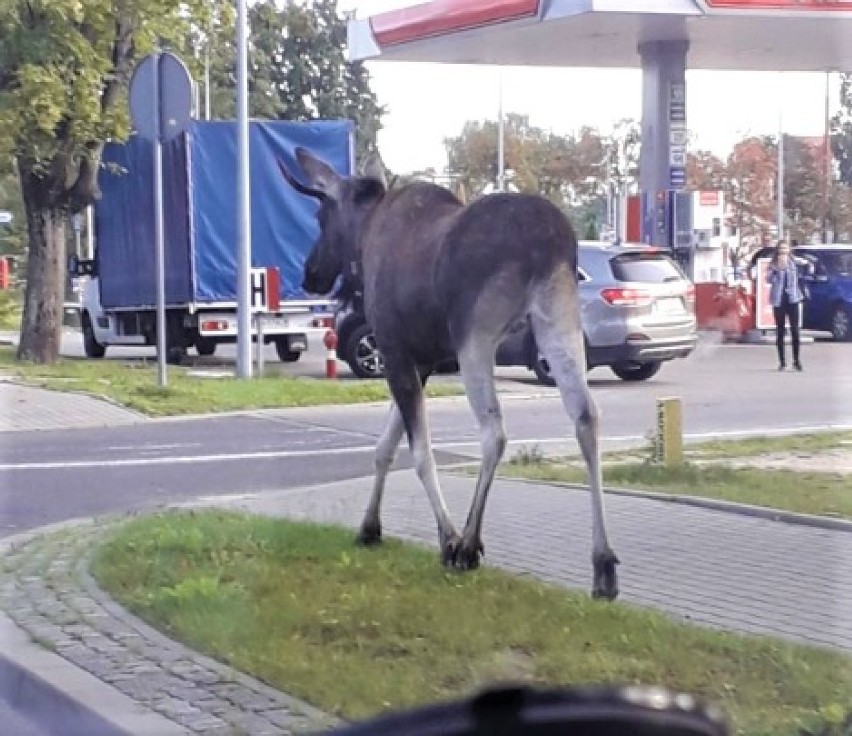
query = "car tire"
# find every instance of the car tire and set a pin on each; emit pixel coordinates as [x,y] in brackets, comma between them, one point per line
[285,355]
[205,346]
[91,346]
[636,371]
[542,369]
[362,353]
[841,323]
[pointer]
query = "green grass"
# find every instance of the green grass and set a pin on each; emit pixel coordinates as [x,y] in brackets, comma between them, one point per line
[822,494]
[357,631]
[134,385]
[10,309]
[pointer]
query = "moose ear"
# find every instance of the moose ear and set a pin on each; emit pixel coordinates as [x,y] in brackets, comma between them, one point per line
[320,174]
[297,185]
[367,190]
[375,168]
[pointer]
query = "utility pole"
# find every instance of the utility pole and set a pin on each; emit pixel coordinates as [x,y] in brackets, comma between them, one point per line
[501,133]
[780,196]
[826,162]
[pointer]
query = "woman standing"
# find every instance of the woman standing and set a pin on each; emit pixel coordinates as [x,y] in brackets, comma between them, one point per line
[785,294]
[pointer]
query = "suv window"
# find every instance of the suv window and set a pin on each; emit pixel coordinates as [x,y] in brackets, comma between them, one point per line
[653,268]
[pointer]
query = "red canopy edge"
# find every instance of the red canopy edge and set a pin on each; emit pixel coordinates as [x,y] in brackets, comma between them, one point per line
[446,16]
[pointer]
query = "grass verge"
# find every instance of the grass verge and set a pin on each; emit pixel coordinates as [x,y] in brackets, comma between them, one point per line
[357,631]
[134,385]
[806,492]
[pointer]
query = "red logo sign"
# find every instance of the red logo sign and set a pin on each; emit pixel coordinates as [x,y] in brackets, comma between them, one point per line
[780,4]
[708,199]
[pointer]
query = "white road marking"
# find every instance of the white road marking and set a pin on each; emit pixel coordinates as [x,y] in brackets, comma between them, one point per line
[358,449]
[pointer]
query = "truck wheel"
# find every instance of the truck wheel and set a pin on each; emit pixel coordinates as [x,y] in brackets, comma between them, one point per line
[636,371]
[91,346]
[285,355]
[362,353]
[205,345]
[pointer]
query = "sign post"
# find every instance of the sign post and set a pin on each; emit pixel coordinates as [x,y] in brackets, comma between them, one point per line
[161,108]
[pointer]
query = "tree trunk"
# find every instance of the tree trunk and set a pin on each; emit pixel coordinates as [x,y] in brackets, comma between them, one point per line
[41,324]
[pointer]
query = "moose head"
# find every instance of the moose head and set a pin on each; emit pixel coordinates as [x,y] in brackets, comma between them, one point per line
[344,204]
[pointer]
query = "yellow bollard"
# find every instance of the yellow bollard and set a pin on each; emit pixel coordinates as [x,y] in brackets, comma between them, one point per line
[668,444]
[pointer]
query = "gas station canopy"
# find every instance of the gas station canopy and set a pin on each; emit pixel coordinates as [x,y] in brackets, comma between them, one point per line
[756,35]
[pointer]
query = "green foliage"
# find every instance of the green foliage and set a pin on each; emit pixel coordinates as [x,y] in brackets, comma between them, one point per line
[64,69]
[841,131]
[833,720]
[298,69]
[574,171]
[134,385]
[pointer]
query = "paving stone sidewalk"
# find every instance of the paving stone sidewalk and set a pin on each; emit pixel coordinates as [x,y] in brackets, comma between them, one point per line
[716,568]
[29,408]
[45,589]
[722,569]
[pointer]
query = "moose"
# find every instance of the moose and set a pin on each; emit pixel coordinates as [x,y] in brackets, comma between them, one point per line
[444,281]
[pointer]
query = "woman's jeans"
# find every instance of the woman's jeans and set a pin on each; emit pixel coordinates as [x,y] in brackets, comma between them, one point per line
[789,312]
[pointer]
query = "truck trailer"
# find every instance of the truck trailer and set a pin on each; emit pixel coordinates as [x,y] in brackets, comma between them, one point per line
[201,240]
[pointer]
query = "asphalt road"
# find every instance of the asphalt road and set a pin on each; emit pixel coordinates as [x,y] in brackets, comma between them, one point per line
[47,477]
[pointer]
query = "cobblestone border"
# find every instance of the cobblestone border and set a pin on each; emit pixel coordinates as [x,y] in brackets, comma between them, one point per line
[46,589]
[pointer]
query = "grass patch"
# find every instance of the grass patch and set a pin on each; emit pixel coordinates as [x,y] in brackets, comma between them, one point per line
[819,493]
[10,309]
[822,494]
[134,385]
[357,631]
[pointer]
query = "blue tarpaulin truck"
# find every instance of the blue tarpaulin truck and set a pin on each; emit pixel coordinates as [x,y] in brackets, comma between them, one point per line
[201,241]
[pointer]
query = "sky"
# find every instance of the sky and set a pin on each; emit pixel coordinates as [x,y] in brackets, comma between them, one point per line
[429,102]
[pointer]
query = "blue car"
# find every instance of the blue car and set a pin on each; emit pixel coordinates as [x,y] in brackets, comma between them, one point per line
[829,308]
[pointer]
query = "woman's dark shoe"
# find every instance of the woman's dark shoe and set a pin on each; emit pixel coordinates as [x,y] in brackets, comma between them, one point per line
[781,366]
[797,365]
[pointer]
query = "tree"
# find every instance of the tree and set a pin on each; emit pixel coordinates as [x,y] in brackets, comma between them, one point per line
[298,69]
[750,188]
[64,69]
[841,131]
[805,194]
[567,169]
[705,171]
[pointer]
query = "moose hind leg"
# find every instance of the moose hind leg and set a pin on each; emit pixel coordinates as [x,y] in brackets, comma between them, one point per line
[371,526]
[558,334]
[407,390]
[476,360]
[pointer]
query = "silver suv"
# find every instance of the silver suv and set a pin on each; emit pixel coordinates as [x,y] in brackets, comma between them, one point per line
[638,310]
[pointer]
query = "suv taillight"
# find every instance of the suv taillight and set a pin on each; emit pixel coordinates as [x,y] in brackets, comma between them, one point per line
[626,297]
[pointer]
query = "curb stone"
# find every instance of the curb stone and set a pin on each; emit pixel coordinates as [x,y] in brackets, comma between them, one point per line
[47,591]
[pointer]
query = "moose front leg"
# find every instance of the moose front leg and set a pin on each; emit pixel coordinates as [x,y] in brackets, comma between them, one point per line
[371,526]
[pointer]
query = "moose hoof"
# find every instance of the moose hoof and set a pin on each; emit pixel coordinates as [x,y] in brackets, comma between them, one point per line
[369,535]
[606,578]
[449,549]
[467,555]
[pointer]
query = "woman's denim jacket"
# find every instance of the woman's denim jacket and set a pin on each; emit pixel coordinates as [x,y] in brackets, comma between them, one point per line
[775,277]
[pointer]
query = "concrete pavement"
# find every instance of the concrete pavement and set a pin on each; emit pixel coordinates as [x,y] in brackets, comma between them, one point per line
[73,655]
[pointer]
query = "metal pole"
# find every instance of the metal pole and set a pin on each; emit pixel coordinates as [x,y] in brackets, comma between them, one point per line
[826,181]
[162,375]
[258,321]
[207,78]
[780,177]
[244,367]
[90,233]
[501,175]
